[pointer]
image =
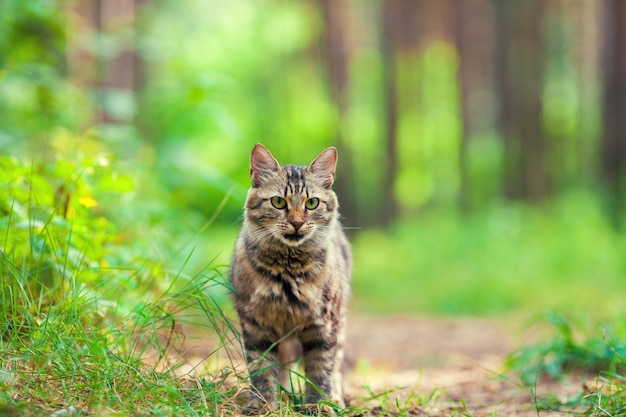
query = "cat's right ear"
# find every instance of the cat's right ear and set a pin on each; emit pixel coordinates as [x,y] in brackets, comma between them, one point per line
[263,165]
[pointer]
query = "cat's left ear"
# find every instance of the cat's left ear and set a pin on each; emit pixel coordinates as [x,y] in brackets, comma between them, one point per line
[323,167]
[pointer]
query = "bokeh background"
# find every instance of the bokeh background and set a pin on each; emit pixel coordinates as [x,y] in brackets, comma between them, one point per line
[482,144]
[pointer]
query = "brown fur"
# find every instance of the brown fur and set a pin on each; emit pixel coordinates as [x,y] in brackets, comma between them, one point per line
[290,275]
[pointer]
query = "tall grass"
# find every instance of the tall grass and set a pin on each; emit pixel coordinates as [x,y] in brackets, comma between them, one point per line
[96,322]
[66,353]
[61,348]
[81,331]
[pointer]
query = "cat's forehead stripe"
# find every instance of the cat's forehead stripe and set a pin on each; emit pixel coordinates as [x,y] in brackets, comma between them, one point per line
[295,178]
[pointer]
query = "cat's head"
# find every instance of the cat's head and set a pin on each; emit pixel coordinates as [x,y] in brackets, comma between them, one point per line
[291,204]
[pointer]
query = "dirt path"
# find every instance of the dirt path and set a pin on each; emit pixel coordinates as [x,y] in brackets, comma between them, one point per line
[459,361]
[429,366]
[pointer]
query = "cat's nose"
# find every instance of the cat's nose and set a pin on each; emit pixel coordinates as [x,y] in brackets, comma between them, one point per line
[297,224]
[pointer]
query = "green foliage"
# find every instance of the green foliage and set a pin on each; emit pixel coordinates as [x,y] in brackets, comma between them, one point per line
[68,354]
[92,253]
[600,355]
[56,215]
[206,106]
[36,95]
[85,300]
[566,353]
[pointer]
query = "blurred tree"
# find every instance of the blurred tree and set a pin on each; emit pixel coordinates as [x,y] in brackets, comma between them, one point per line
[473,29]
[588,20]
[411,85]
[519,78]
[337,57]
[108,63]
[614,138]
[391,14]
[411,106]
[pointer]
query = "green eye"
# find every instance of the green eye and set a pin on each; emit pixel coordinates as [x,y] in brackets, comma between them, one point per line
[312,203]
[279,202]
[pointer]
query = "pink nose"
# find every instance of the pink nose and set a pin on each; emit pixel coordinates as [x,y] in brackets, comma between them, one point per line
[297,224]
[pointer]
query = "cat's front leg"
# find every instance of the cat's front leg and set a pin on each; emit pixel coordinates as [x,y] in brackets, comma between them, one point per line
[320,349]
[264,378]
[261,358]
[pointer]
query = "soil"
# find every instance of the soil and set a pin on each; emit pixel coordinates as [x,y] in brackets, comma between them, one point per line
[418,366]
[461,362]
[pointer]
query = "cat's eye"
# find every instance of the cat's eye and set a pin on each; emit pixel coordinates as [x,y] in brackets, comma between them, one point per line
[312,203]
[279,202]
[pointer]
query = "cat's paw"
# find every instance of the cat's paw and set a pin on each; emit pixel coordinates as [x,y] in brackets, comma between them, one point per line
[317,410]
[256,406]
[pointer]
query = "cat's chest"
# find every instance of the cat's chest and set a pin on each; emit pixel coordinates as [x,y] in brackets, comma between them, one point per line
[283,288]
[286,301]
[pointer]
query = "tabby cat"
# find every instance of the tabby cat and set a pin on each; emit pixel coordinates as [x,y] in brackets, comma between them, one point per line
[290,275]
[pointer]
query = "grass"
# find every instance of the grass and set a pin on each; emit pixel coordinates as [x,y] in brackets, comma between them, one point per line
[68,359]
[81,331]
[594,359]
[511,259]
[569,351]
[62,354]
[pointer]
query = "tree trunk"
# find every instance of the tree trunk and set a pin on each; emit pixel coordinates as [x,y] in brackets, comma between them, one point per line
[121,73]
[588,65]
[614,139]
[473,30]
[519,69]
[390,20]
[337,54]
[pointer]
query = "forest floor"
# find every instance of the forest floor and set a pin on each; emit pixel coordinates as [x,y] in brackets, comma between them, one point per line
[457,364]
[423,366]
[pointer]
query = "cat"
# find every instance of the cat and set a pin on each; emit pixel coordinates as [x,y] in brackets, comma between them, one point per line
[290,275]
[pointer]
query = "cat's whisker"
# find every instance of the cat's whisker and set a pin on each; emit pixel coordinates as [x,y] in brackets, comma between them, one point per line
[351,227]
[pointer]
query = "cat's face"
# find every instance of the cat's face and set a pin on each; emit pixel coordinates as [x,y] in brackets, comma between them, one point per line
[290,204]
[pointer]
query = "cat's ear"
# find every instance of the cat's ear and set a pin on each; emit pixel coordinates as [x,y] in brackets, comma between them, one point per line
[323,167]
[263,165]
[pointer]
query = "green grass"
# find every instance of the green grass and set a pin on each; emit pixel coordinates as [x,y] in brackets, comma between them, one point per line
[595,360]
[569,350]
[90,309]
[61,349]
[559,257]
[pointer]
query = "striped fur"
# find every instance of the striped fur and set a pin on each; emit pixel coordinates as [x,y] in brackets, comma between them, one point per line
[290,274]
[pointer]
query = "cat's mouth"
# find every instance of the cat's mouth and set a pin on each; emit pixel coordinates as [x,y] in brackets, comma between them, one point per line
[293,237]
